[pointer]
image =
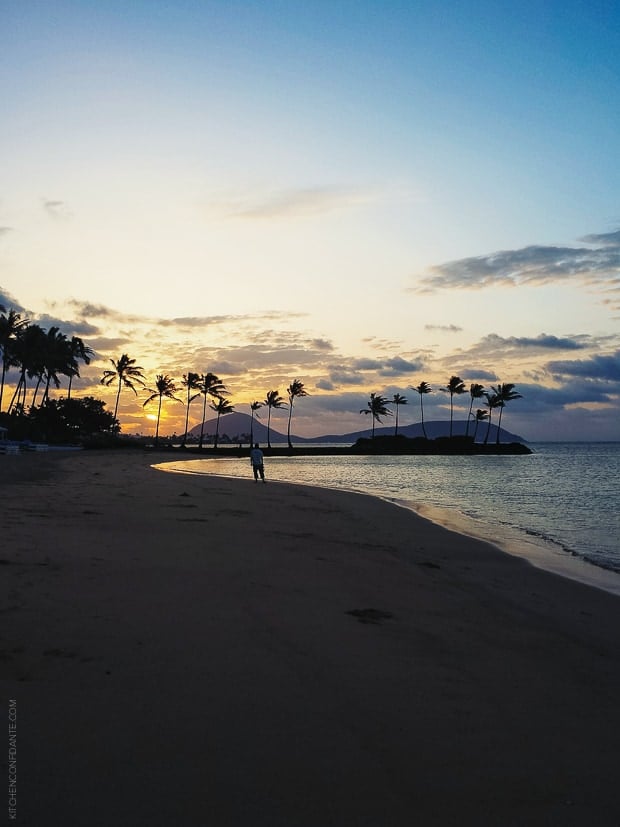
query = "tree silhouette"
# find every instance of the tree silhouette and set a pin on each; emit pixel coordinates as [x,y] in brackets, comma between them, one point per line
[455,386]
[221,407]
[27,354]
[272,400]
[295,391]
[377,406]
[504,393]
[254,406]
[212,386]
[11,324]
[77,350]
[476,391]
[493,402]
[191,382]
[423,388]
[398,400]
[127,373]
[478,417]
[164,387]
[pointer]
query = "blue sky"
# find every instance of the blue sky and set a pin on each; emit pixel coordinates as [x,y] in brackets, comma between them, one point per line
[359,195]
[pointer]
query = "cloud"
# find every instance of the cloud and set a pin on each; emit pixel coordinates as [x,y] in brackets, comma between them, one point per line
[598,266]
[606,368]
[397,366]
[443,328]
[5,231]
[57,210]
[9,301]
[69,328]
[295,203]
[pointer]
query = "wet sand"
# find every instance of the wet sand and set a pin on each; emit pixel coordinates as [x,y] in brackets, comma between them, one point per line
[206,651]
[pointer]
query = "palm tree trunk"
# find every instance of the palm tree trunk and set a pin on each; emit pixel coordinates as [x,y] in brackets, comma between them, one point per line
[471,405]
[499,423]
[202,424]
[486,436]
[288,432]
[118,396]
[217,431]
[186,421]
[157,428]
[269,428]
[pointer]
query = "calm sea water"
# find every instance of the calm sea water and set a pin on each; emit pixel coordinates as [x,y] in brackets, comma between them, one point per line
[559,506]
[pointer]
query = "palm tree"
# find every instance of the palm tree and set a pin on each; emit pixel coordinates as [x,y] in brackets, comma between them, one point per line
[254,406]
[209,385]
[57,359]
[476,391]
[397,400]
[272,400]
[377,406]
[221,407]
[191,381]
[127,373]
[295,391]
[504,393]
[164,386]
[493,402]
[478,417]
[10,326]
[423,388]
[455,386]
[77,350]
[28,349]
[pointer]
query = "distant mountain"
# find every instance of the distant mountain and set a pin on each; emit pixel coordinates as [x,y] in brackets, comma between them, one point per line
[235,427]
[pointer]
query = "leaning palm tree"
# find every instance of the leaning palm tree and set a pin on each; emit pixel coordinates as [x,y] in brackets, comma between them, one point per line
[476,391]
[295,391]
[478,417]
[254,406]
[127,373]
[221,407]
[455,386]
[77,350]
[209,385]
[11,325]
[164,387]
[191,382]
[423,388]
[493,401]
[397,400]
[377,406]
[504,393]
[272,400]
[58,359]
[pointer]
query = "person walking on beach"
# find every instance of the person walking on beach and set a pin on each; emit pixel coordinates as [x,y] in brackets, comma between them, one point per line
[256,461]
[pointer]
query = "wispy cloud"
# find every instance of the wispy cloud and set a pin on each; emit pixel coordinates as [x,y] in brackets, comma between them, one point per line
[294,203]
[57,210]
[443,328]
[597,266]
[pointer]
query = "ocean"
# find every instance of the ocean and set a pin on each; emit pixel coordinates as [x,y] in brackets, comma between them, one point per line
[559,507]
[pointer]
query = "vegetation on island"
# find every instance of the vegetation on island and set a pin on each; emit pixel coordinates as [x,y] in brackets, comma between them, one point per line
[42,357]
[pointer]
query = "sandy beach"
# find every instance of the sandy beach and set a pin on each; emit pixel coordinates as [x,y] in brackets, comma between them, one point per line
[193,651]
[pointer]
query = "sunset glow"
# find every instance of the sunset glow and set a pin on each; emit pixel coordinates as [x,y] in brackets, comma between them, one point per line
[362,196]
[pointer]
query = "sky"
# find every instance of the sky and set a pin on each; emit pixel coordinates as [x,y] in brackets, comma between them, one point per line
[359,195]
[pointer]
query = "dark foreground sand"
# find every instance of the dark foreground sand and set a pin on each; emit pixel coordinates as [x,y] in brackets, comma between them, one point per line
[186,651]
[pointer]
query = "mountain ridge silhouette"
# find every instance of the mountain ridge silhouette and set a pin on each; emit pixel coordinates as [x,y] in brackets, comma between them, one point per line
[237,424]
